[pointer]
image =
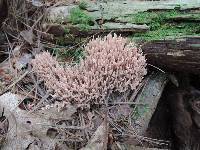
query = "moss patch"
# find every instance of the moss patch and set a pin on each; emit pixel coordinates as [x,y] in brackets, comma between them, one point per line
[65,53]
[169,31]
[71,55]
[83,5]
[81,19]
[161,27]
[153,19]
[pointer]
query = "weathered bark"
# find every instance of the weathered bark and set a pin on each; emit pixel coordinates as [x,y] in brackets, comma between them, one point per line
[146,102]
[185,18]
[176,55]
[126,28]
[150,96]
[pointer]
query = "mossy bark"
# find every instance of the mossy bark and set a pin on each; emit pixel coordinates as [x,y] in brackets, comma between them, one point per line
[182,54]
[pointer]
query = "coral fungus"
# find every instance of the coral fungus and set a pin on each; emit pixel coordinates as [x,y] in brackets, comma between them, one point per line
[111,65]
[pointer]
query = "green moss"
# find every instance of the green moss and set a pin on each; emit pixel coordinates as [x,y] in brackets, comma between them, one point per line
[170,31]
[161,28]
[187,16]
[143,17]
[64,53]
[75,54]
[140,111]
[153,19]
[60,41]
[66,40]
[84,27]
[78,16]
[66,30]
[83,5]
[81,19]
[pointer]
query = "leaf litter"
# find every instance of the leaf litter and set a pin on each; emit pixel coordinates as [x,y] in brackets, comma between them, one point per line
[36,120]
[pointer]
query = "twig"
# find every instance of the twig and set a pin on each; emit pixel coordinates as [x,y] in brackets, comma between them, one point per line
[66,127]
[157,68]
[127,103]
[40,102]
[135,93]
[15,82]
[83,124]
[115,126]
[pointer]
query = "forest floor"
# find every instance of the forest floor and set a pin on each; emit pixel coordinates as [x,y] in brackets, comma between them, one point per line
[162,113]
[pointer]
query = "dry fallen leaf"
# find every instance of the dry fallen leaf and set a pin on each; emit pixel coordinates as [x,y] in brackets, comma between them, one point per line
[23,61]
[37,3]
[99,139]
[27,35]
[24,128]
[54,113]
[16,50]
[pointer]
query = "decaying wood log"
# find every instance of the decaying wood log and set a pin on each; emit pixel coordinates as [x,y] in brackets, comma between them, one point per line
[181,54]
[124,28]
[185,18]
[147,100]
[150,96]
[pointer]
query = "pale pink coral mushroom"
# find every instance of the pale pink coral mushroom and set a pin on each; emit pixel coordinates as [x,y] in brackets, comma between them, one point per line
[111,64]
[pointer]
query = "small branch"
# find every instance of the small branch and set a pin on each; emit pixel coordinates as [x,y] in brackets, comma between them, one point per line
[15,82]
[127,103]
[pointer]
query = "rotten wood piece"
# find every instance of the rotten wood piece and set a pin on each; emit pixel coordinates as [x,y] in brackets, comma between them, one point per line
[150,95]
[185,18]
[141,115]
[59,30]
[181,54]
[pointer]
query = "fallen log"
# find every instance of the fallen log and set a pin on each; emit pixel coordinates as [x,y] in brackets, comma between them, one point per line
[120,28]
[150,96]
[146,100]
[185,18]
[181,54]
